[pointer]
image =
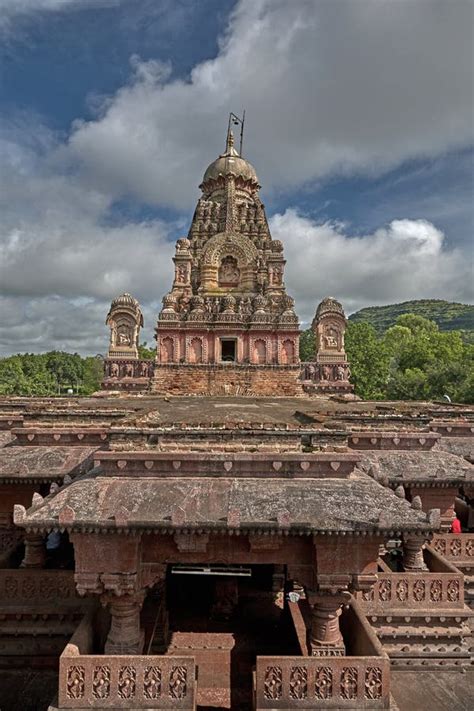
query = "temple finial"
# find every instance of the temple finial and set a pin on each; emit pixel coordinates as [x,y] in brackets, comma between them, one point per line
[230,141]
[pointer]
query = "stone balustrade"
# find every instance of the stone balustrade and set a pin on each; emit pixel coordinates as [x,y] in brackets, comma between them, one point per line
[442,587]
[455,547]
[127,373]
[322,682]
[105,681]
[22,586]
[359,680]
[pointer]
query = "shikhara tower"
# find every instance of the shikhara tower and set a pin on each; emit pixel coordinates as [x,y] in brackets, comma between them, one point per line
[228,325]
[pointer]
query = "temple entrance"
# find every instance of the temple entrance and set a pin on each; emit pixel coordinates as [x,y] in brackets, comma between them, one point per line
[229,349]
[225,619]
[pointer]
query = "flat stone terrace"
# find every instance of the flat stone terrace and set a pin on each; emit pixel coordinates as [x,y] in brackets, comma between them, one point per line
[195,411]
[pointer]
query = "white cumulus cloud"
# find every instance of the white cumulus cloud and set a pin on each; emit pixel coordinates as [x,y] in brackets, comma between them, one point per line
[329,87]
[407,259]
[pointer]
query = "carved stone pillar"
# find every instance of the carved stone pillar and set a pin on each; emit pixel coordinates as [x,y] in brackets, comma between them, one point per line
[325,638]
[125,635]
[35,551]
[413,553]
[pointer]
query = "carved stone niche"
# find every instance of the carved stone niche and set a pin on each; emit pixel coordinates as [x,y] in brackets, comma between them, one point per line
[329,326]
[124,320]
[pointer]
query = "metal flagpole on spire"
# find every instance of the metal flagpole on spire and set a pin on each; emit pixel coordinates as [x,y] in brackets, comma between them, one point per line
[236,121]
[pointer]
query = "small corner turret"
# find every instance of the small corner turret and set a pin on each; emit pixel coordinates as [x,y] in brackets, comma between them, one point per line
[330,370]
[124,320]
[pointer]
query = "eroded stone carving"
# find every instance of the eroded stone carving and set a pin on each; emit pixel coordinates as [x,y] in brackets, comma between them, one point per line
[348,686]
[273,684]
[75,683]
[178,683]
[127,682]
[298,683]
[373,683]
[152,683]
[101,682]
[323,683]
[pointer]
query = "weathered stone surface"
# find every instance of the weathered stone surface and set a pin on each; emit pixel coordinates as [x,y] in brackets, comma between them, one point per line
[43,463]
[313,505]
[5,438]
[429,468]
[460,446]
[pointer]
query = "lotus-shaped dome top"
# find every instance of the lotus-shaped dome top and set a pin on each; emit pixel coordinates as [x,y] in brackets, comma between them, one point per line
[329,305]
[230,162]
[125,300]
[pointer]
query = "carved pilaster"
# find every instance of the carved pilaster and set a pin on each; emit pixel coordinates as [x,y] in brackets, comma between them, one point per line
[35,551]
[413,553]
[125,635]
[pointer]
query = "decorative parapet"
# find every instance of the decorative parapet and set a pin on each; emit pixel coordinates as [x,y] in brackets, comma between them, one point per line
[22,586]
[453,428]
[101,681]
[392,440]
[455,547]
[117,369]
[7,422]
[151,463]
[440,589]
[55,436]
[322,682]
[330,376]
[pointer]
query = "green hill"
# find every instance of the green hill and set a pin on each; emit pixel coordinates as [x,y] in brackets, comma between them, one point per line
[448,315]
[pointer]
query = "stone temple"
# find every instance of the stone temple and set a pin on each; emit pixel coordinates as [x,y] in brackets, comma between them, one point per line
[224,526]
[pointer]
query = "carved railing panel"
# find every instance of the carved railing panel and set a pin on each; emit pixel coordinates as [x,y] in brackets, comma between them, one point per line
[455,547]
[119,368]
[20,586]
[414,590]
[121,681]
[322,682]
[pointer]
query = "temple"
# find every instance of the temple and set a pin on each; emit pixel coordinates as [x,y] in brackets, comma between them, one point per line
[228,317]
[224,526]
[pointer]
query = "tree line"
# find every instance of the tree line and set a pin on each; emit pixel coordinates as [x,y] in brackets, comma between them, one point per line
[412,360]
[49,374]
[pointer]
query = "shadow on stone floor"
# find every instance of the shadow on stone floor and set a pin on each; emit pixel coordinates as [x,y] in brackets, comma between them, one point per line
[26,689]
[433,691]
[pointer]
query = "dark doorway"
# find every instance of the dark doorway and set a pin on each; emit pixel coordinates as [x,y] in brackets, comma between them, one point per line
[228,349]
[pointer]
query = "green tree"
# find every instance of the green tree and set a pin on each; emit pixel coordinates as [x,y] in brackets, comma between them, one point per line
[426,362]
[307,345]
[369,360]
[146,353]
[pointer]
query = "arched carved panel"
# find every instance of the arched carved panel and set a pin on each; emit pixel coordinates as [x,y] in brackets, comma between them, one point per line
[287,352]
[259,351]
[242,249]
[167,350]
[195,350]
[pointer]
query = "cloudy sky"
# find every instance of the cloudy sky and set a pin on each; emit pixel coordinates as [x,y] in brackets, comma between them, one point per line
[359,124]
